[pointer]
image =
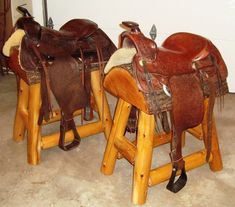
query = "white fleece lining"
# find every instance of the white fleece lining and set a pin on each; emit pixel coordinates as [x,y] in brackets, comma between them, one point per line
[13,40]
[120,57]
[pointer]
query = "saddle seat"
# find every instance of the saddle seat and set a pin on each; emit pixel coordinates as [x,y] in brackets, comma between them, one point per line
[55,43]
[85,29]
[67,40]
[191,46]
[177,48]
[181,53]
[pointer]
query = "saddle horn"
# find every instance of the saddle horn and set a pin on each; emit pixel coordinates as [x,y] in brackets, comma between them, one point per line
[133,26]
[23,11]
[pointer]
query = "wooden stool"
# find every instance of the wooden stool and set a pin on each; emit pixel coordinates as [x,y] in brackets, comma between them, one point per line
[27,114]
[121,84]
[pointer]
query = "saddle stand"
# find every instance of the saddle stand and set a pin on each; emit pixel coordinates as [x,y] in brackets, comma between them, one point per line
[68,65]
[180,79]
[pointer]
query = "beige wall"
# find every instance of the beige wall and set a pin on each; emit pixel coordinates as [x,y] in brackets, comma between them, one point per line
[15,4]
[213,19]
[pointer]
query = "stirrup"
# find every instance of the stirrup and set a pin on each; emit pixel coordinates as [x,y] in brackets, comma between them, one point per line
[176,186]
[76,141]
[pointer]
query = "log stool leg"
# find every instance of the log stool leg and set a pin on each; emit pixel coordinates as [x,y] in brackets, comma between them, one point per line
[21,112]
[118,129]
[143,157]
[33,144]
[216,163]
[101,102]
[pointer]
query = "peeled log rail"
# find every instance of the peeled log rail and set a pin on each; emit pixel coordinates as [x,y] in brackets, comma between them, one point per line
[163,173]
[84,131]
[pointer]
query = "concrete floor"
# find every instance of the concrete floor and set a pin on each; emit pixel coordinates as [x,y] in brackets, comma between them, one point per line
[74,178]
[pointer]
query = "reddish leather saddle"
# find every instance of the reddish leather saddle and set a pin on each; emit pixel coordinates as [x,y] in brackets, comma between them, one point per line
[189,68]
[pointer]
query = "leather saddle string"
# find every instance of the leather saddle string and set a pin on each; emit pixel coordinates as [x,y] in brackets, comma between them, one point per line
[101,68]
[219,79]
[212,95]
[48,88]
[211,102]
[210,118]
[83,80]
[153,96]
[86,81]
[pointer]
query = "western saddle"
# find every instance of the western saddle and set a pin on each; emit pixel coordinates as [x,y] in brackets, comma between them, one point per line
[56,55]
[174,79]
[190,67]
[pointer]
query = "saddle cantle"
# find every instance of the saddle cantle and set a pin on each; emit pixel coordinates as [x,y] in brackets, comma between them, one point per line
[58,56]
[186,69]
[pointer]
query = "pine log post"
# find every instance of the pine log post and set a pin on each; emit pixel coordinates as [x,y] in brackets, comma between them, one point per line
[20,122]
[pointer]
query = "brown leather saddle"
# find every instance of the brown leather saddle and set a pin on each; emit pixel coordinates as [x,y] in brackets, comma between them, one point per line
[57,55]
[189,68]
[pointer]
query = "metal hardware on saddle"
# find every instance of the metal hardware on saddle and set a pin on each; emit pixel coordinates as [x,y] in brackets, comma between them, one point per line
[166,90]
[176,186]
[153,32]
[66,125]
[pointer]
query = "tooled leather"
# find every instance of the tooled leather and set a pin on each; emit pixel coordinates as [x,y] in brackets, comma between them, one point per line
[179,64]
[174,57]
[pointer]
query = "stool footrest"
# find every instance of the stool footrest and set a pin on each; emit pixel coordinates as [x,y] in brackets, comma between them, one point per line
[163,173]
[126,148]
[84,131]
